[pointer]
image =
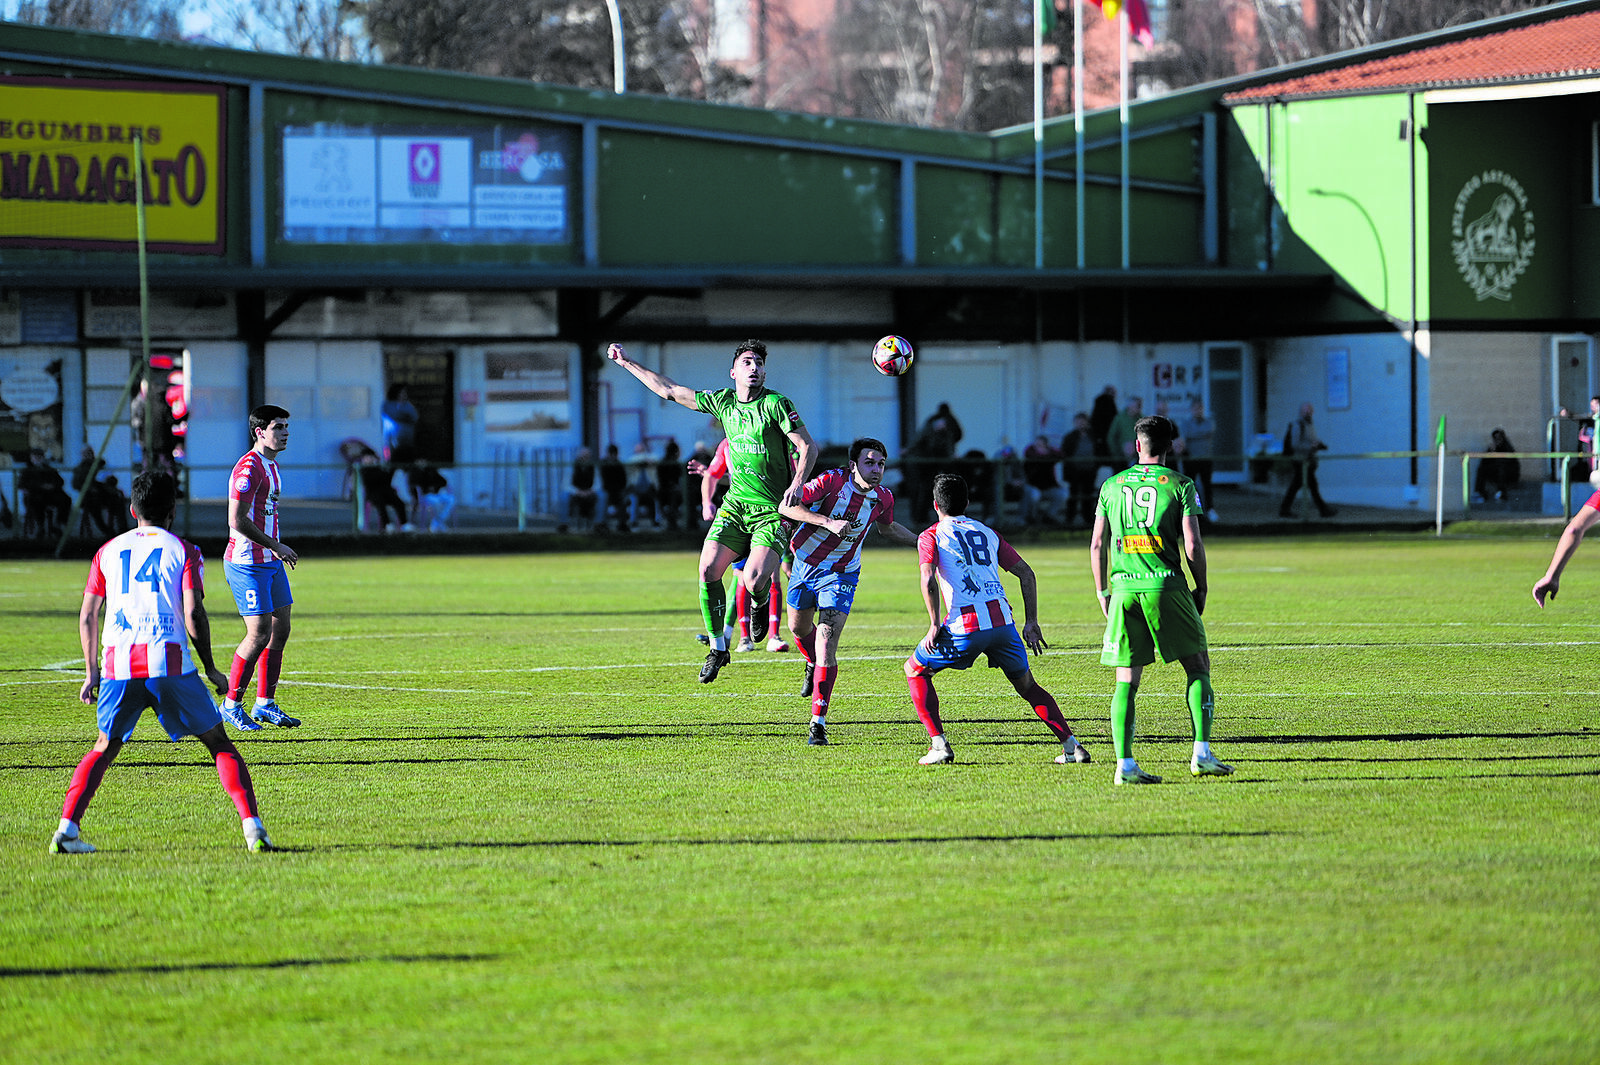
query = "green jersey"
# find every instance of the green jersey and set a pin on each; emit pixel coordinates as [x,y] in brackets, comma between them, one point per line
[758,444]
[1145,506]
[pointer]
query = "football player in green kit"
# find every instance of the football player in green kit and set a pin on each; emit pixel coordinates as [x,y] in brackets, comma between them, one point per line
[1147,524]
[762,428]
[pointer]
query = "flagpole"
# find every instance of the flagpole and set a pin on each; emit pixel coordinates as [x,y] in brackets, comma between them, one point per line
[1124,27]
[1038,140]
[1077,120]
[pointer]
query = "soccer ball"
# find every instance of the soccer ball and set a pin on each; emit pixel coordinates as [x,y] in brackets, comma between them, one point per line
[893,356]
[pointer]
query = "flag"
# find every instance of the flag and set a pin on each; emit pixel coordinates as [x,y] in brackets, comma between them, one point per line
[1138,18]
[1438,441]
[1046,16]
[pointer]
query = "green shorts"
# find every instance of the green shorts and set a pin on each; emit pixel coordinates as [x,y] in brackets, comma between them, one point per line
[1139,624]
[742,526]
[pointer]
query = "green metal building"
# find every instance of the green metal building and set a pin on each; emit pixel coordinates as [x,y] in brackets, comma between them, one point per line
[1392,235]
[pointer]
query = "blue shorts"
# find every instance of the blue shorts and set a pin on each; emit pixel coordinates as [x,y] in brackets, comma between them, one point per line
[1002,646]
[258,588]
[182,704]
[811,588]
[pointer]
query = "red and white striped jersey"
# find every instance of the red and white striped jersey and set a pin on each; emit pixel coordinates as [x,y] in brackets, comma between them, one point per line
[256,484]
[835,494]
[141,575]
[968,557]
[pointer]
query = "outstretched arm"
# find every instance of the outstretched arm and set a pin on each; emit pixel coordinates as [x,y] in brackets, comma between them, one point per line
[1571,537]
[897,533]
[660,384]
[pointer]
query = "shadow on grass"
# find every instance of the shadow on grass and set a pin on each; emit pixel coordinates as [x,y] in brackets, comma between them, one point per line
[810,841]
[8,972]
[1415,737]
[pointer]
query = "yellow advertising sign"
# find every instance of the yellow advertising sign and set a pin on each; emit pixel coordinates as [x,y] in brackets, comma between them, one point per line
[67,164]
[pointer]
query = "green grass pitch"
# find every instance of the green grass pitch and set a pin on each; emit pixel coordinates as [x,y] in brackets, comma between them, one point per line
[518,830]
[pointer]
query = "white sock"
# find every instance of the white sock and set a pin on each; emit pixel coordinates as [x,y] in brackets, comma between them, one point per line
[819,719]
[1202,750]
[67,827]
[253,826]
[263,702]
[231,704]
[719,643]
[1127,763]
[940,741]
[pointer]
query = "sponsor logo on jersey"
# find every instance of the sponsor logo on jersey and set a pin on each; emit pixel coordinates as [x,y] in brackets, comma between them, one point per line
[1140,544]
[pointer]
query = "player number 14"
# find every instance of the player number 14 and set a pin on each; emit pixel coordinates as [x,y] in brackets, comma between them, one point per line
[149,573]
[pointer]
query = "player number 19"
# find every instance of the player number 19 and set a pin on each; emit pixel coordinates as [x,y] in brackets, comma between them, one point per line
[1135,500]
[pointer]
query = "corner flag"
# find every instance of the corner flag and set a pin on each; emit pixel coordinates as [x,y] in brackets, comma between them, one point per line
[1438,441]
[1047,16]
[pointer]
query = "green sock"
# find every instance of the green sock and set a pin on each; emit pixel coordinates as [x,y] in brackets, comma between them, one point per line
[1122,719]
[733,605]
[713,603]
[1201,706]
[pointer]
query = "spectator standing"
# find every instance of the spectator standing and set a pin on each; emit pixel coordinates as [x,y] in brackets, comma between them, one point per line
[1120,444]
[1582,469]
[100,501]
[1304,443]
[929,454]
[669,484]
[1080,460]
[45,503]
[1197,433]
[399,426]
[1103,413]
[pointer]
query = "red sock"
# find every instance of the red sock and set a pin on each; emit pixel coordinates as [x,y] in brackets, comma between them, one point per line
[808,645]
[1048,712]
[85,782]
[926,700]
[825,676]
[774,597]
[238,677]
[236,781]
[743,601]
[267,674]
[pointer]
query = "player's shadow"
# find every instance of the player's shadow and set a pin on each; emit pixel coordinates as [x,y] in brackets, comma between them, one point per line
[10,972]
[805,841]
[1413,737]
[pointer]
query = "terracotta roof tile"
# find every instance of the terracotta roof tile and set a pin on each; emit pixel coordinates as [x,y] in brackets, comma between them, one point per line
[1561,48]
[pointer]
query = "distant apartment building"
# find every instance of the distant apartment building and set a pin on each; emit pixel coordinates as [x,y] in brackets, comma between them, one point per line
[802,55]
